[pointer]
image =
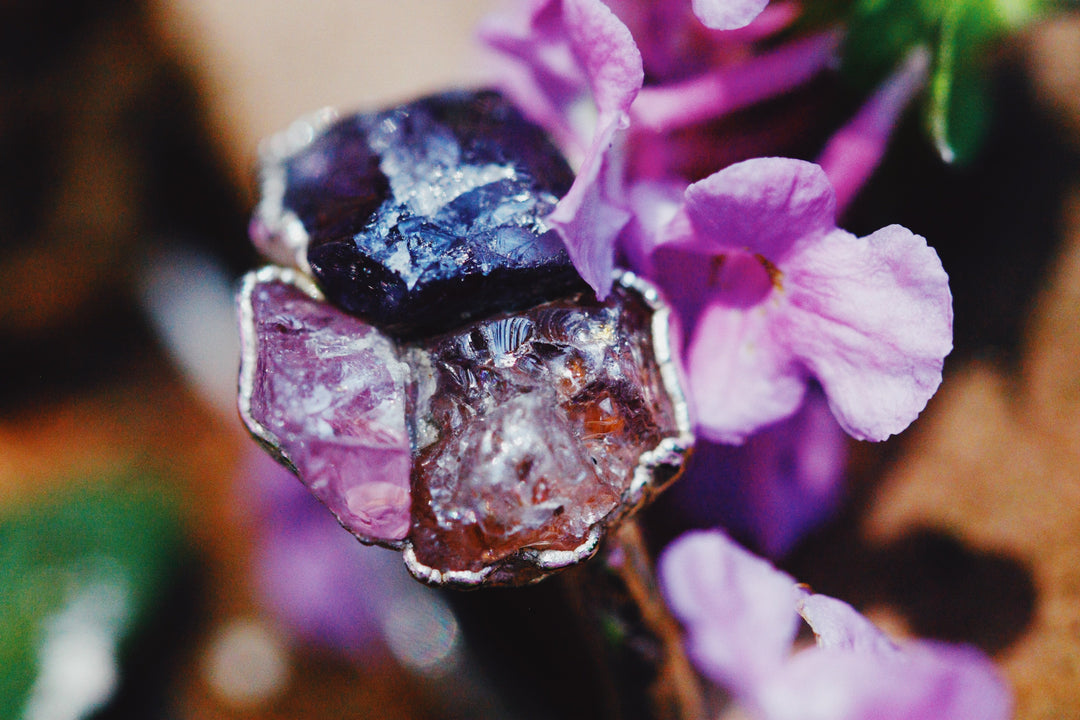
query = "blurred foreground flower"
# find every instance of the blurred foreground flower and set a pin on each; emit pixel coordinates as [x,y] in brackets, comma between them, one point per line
[741,618]
[783,482]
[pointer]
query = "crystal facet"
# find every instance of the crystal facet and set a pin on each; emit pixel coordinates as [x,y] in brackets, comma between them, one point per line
[528,431]
[430,214]
[327,393]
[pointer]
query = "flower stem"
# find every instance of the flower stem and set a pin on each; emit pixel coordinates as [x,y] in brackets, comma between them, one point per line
[676,692]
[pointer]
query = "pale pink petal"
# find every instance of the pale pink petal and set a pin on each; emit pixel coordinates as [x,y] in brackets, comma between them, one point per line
[566,55]
[838,626]
[607,52]
[591,215]
[925,681]
[871,318]
[740,378]
[728,14]
[589,218]
[534,64]
[763,206]
[738,610]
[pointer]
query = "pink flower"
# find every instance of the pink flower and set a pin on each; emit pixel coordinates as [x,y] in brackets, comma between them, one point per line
[741,616]
[771,293]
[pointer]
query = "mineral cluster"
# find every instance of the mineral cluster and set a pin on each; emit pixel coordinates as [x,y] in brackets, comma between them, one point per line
[433,368]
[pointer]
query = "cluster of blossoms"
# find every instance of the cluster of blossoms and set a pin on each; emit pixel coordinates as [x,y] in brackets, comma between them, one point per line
[771,297]
[779,314]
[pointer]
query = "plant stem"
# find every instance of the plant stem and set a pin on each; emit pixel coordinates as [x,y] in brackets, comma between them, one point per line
[676,692]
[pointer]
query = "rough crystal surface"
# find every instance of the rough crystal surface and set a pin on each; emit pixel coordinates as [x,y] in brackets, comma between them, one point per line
[328,392]
[492,454]
[430,214]
[527,430]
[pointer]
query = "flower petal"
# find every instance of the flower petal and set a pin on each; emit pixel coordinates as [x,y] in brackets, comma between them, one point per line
[782,483]
[838,626]
[871,318]
[763,206]
[728,14]
[534,65]
[589,219]
[606,49]
[738,610]
[725,88]
[740,378]
[926,681]
[591,215]
[561,53]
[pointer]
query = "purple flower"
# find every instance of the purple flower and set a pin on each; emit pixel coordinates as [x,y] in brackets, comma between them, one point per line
[574,67]
[772,490]
[771,293]
[741,616]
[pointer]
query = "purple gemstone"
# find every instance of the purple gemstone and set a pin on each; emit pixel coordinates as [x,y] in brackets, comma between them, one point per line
[423,217]
[327,392]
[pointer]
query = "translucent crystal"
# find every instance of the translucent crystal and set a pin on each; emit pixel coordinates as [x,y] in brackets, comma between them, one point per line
[327,393]
[493,454]
[528,430]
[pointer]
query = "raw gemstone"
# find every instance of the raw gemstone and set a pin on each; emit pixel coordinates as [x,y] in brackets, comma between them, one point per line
[430,214]
[528,430]
[494,454]
[327,393]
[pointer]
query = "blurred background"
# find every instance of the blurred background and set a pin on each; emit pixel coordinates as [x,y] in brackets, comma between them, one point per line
[154,564]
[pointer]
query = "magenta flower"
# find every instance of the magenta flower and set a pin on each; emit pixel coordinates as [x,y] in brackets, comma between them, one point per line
[771,293]
[741,617]
[855,150]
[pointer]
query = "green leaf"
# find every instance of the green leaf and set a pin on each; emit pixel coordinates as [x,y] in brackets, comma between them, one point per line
[960,35]
[94,558]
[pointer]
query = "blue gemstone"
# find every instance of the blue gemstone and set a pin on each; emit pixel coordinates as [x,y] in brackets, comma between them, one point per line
[429,215]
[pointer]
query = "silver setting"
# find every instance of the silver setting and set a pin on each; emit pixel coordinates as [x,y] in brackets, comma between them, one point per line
[278,233]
